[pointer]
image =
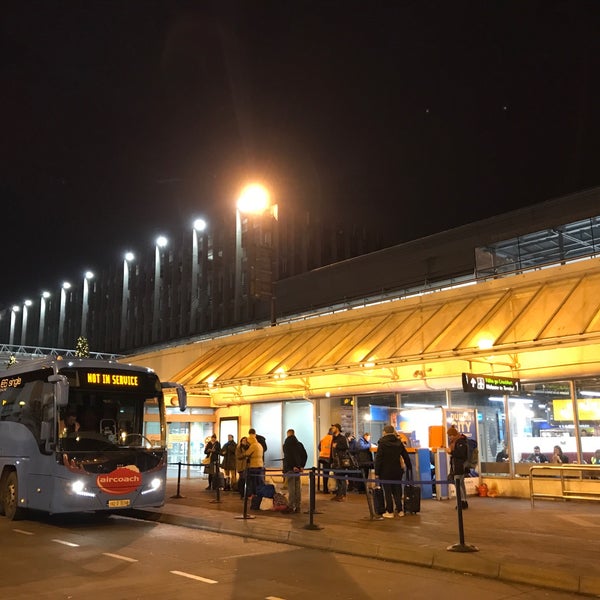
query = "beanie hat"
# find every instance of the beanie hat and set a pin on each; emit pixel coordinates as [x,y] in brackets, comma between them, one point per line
[389,429]
[452,431]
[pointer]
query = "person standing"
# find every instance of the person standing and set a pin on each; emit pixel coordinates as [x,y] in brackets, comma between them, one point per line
[212,449]
[325,458]
[364,457]
[256,465]
[241,465]
[229,462]
[391,460]
[339,454]
[294,461]
[458,449]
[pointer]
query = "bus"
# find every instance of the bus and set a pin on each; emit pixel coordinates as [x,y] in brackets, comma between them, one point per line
[73,436]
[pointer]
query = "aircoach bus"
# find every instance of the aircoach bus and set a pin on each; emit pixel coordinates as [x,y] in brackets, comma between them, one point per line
[72,436]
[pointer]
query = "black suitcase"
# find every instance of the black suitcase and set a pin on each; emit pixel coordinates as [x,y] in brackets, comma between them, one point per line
[378,500]
[412,498]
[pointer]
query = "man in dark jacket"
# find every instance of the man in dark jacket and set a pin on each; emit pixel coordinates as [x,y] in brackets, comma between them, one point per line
[391,459]
[294,461]
[339,452]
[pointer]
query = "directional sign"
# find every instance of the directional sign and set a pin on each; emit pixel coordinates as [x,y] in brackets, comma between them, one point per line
[489,383]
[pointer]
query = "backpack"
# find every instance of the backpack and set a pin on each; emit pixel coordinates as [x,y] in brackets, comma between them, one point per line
[261,440]
[472,454]
[466,452]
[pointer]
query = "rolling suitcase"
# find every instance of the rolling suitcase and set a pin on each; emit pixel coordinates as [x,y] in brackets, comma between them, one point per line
[412,498]
[378,500]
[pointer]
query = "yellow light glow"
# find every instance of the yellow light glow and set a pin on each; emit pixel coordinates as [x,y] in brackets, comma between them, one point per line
[254,198]
[485,343]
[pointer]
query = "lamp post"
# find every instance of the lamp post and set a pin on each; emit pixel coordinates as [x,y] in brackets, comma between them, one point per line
[84,302]
[26,305]
[198,227]
[127,258]
[43,298]
[161,242]
[13,319]
[254,199]
[61,313]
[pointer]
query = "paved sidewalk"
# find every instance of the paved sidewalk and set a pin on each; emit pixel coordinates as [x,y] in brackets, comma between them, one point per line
[556,544]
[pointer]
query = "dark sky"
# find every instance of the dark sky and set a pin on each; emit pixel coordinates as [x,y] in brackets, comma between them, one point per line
[124,119]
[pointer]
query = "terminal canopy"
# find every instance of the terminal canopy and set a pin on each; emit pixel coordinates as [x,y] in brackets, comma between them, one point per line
[542,323]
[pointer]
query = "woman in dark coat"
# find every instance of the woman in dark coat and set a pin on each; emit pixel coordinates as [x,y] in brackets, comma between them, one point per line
[212,449]
[229,464]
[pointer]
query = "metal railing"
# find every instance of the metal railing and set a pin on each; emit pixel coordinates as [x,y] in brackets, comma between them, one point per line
[565,482]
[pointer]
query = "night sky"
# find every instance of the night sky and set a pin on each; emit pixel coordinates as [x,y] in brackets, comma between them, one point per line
[125,119]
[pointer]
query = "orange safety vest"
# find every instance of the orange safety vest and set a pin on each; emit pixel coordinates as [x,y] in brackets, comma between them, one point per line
[325,446]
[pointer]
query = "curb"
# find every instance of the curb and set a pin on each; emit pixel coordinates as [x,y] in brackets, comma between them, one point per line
[469,563]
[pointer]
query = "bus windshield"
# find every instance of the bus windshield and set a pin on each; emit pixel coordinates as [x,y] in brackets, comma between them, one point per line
[100,421]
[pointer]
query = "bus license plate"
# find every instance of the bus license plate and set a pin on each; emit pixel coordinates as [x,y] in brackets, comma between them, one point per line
[118,503]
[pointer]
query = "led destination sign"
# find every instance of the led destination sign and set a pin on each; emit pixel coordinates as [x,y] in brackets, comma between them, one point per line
[112,379]
[489,383]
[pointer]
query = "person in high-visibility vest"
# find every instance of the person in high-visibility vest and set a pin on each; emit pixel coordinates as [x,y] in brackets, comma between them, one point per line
[325,458]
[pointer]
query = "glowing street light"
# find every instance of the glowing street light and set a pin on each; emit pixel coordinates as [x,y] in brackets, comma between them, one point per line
[84,303]
[254,199]
[26,305]
[13,318]
[198,227]
[61,317]
[45,295]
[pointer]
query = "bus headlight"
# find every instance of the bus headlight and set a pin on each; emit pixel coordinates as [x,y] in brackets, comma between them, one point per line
[154,485]
[78,487]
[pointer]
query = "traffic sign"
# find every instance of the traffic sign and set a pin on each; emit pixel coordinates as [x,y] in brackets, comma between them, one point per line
[489,383]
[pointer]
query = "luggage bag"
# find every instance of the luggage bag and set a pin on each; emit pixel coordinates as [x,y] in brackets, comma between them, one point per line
[412,498]
[378,500]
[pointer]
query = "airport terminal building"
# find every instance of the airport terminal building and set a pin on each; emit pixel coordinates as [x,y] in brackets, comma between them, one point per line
[493,327]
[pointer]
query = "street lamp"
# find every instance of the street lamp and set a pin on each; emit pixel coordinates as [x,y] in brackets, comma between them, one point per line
[254,199]
[127,258]
[26,305]
[13,318]
[161,242]
[61,315]
[198,228]
[45,295]
[84,303]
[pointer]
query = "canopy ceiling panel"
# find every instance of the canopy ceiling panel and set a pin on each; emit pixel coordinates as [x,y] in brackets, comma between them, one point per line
[406,343]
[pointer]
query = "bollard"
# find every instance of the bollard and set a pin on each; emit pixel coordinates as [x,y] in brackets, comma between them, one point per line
[312,501]
[461,546]
[177,494]
[217,500]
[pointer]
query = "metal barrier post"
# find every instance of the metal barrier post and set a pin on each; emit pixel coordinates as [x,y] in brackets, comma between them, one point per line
[461,546]
[311,500]
[217,500]
[177,494]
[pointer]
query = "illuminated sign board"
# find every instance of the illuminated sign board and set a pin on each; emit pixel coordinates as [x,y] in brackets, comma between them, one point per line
[489,383]
[588,409]
[112,379]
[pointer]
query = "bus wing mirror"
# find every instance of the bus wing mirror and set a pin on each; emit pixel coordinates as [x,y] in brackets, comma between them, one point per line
[181,393]
[61,389]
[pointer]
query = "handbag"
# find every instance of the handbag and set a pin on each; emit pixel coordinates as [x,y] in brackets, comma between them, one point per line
[206,461]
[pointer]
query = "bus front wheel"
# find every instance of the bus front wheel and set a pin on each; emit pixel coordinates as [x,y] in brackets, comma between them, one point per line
[10,497]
